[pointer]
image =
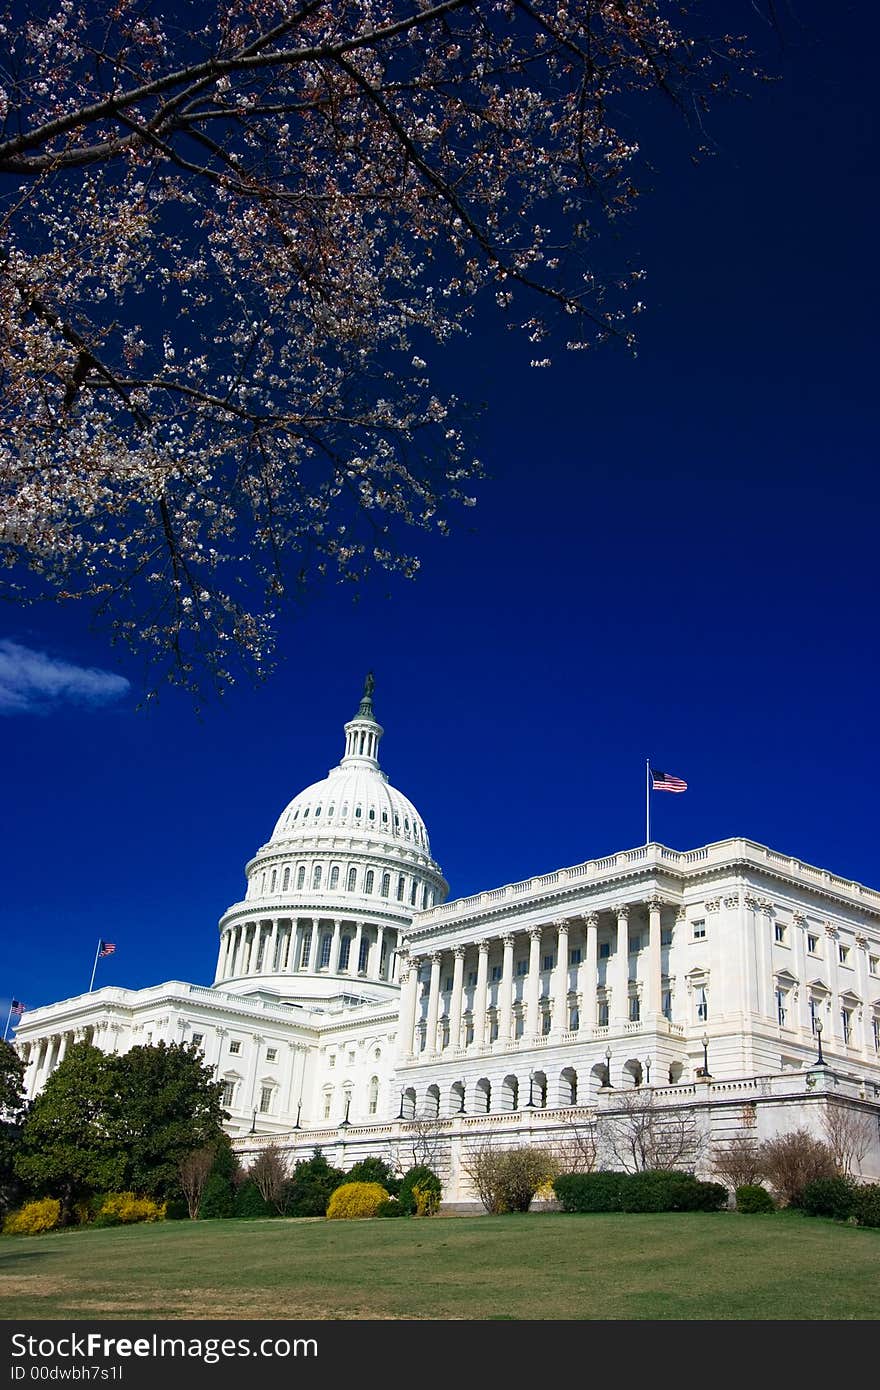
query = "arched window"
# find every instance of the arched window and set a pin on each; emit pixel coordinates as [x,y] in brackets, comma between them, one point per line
[301,876]
[285,882]
[328,1104]
[373,1101]
[306,813]
[357,812]
[352,878]
[316,876]
[412,893]
[305,948]
[386,885]
[344,952]
[324,960]
[274,880]
[372,813]
[425,896]
[369,880]
[334,876]
[401,884]
[384,817]
[363,955]
[317,811]
[330,809]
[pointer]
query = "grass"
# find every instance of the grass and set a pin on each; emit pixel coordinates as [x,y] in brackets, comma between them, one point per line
[671,1266]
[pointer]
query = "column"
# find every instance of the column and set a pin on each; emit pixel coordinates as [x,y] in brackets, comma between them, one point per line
[864,1035]
[335,945]
[313,945]
[433,1005]
[505,993]
[801,1014]
[832,1026]
[481,992]
[376,971]
[457,993]
[620,970]
[62,1048]
[654,999]
[355,953]
[533,983]
[590,971]
[559,1020]
[408,996]
[269,964]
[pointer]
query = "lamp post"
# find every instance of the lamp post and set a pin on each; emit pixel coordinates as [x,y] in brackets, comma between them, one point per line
[343,1124]
[531,1100]
[400,1111]
[705,1041]
[647,1071]
[298,1113]
[820,1060]
[608,1066]
[461,1102]
[254,1123]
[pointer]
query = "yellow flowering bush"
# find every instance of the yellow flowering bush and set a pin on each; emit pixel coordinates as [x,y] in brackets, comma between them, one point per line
[125,1208]
[356,1199]
[427,1199]
[33,1218]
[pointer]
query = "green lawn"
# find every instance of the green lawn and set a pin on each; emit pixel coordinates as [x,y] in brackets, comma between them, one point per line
[540,1266]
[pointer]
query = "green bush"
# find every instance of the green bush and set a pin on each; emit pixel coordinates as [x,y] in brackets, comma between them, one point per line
[702,1196]
[653,1190]
[312,1182]
[752,1198]
[426,1180]
[176,1210]
[390,1208]
[589,1192]
[828,1197]
[218,1198]
[250,1203]
[866,1204]
[33,1218]
[355,1199]
[374,1170]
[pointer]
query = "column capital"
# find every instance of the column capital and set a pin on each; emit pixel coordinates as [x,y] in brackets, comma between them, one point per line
[484,947]
[508,939]
[562,923]
[655,903]
[535,933]
[458,952]
[435,957]
[591,919]
[623,910]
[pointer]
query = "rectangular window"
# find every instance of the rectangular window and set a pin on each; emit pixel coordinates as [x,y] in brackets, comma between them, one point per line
[518,1026]
[545,1024]
[305,949]
[472,978]
[665,936]
[778,931]
[842,953]
[874,964]
[574,956]
[634,1011]
[635,943]
[845,1019]
[496,972]
[493,1030]
[198,1038]
[228,1092]
[265,1099]
[702,1005]
[604,950]
[469,1034]
[271,1054]
[331,1060]
[603,1015]
[875,1027]
[522,967]
[447,984]
[780,1007]
[328,1100]
[325,952]
[548,962]
[812,944]
[699,930]
[574,1019]
[667,1004]
[235,1047]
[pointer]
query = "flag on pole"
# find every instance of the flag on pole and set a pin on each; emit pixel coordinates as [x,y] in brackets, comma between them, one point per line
[106,948]
[17,1008]
[665,782]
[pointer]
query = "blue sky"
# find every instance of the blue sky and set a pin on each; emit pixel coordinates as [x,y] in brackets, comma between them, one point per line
[674,555]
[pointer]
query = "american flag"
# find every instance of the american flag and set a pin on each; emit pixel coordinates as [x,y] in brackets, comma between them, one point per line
[665,782]
[17,1007]
[106,948]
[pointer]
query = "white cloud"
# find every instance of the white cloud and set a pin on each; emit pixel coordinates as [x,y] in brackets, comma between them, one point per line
[34,682]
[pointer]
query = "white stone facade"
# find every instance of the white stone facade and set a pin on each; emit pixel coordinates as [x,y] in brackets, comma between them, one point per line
[355,1009]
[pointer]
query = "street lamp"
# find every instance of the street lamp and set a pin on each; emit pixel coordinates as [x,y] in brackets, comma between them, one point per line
[705,1041]
[344,1123]
[254,1123]
[647,1071]
[531,1100]
[820,1060]
[298,1113]
[400,1111]
[608,1066]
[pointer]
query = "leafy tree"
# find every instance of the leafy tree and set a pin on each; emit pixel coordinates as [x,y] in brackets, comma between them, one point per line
[193,1171]
[374,1170]
[165,1104]
[232,244]
[311,1184]
[66,1148]
[218,1198]
[12,1112]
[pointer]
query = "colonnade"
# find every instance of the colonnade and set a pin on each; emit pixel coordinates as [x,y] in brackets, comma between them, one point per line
[309,945]
[477,1010]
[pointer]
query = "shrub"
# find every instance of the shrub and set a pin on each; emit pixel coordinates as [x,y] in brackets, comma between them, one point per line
[752,1198]
[126,1208]
[653,1190]
[311,1184]
[374,1170]
[355,1199]
[33,1218]
[250,1203]
[506,1180]
[177,1210]
[589,1192]
[426,1180]
[828,1197]
[218,1198]
[866,1204]
[702,1196]
[791,1161]
[390,1208]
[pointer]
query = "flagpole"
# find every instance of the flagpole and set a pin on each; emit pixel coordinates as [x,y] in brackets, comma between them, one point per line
[647,801]
[95,966]
[8,1017]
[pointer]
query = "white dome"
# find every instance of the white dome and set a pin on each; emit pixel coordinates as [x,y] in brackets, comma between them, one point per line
[358,800]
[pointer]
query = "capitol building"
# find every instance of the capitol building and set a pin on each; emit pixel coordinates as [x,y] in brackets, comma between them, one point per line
[355,1008]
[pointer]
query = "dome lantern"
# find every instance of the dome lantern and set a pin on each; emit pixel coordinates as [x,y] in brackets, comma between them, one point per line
[363,732]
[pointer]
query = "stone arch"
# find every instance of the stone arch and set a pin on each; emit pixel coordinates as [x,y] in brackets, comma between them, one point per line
[539,1089]
[432,1102]
[568,1086]
[409,1103]
[483,1096]
[456,1098]
[633,1071]
[510,1093]
[597,1077]
[675,1071]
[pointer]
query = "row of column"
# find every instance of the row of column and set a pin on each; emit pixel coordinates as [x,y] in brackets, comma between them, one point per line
[285,946]
[617,980]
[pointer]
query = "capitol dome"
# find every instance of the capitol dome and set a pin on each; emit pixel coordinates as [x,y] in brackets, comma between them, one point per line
[333,890]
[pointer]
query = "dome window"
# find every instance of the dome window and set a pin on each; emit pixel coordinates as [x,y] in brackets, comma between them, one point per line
[317,811]
[412,893]
[384,817]
[334,877]
[296,813]
[316,876]
[357,813]
[345,808]
[406,823]
[274,881]
[372,813]
[285,881]
[401,884]
[306,813]
[301,876]
[396,821]
[369,879]
[330,809]
[386,885]
[352,879]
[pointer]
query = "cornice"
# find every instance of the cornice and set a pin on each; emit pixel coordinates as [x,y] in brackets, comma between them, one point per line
[265,907]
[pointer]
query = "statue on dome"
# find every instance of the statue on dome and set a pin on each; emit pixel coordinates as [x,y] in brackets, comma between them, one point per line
[369,686]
